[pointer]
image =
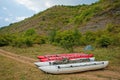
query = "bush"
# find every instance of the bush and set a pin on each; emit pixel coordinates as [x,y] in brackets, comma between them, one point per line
[116,40]
[26,39]
[22,42]
[18,42]
[6,39]
[30,32]
[68,39]
[40,39]
[77,36]
[3,41]
[104,41]
[88,38]
[110,27]
[52,35]
[113,28]
[28,42]
[87,14]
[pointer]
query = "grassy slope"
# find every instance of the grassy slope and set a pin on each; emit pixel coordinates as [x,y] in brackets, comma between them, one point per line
[55,17]
[89,17]
[107,12]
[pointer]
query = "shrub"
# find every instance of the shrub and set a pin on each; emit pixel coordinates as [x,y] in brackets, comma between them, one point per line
[28,42]
[22,42]
[116,40]
[113,28]
[30,32]
[6,39]
[40,39]
[18,42]
[88,38]
[110,27]
[87,14]
[104,41]
[52,35]
[68,39]
[3,41]
[77,36]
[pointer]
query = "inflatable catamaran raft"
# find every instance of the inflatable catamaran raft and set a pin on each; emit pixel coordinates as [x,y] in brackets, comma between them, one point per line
[62,56]
[77,60]
[74,67]
[69,63]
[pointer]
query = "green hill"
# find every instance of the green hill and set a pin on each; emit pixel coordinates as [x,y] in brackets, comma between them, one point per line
[84,17]
[55,17]
[68,26]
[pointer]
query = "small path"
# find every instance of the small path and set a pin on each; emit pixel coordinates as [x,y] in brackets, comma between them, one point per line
[19,58]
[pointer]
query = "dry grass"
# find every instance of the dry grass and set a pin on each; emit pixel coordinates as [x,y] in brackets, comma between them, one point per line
[35,50]
[110,54]
[13,70]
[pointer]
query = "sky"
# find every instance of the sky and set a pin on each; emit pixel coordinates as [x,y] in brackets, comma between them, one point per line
[12,11]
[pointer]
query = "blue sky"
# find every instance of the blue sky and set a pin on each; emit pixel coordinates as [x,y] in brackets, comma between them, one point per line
[16,10]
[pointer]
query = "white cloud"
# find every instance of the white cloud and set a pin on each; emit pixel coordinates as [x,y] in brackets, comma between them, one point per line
[14,19]
[4,8]
[35,5]
[30,4]
[7,19]
[48,4]
[20,18]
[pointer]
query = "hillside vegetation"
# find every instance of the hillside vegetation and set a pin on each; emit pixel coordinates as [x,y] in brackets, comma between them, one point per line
[68,26]
[89,17]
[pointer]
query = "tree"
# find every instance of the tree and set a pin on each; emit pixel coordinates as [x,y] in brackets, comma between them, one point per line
[6,39]
[68,39]
[52,35]
[77,35]
[88,38]
[30,32]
